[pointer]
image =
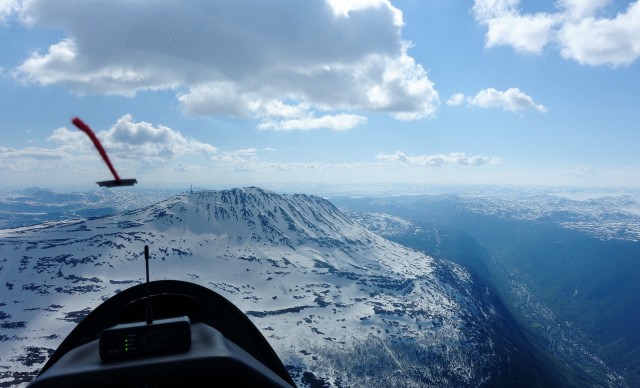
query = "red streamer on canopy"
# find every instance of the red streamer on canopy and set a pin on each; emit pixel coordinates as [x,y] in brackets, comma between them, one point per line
[96,142]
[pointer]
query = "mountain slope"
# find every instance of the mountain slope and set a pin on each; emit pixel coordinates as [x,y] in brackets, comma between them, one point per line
[573,289]
[339,304]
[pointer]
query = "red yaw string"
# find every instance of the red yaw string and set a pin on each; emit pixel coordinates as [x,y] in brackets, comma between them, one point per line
[96,142]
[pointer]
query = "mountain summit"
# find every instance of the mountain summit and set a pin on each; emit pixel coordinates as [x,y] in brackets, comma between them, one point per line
[340,305]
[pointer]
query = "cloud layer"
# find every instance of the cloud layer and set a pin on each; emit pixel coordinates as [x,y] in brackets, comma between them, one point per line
[438,159]
[317,60]
[575,28]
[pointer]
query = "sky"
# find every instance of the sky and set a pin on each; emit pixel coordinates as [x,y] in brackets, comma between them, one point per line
[302,95]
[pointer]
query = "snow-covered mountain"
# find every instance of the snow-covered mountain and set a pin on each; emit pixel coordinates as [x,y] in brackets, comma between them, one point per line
[339,304]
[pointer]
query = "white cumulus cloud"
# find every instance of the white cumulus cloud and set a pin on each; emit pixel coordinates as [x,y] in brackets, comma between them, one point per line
[256,59]
[575,27]
[525,33]
[512,99]
[135,140]
[339,122]
[456,99]
[600,41]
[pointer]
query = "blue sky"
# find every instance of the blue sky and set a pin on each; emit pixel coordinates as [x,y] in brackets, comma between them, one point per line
[295,95]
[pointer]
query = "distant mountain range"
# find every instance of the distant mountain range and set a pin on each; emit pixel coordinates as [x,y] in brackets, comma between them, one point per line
[342,306]
[36,205]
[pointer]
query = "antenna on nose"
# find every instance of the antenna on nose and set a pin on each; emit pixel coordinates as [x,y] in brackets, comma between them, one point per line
[149,310]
